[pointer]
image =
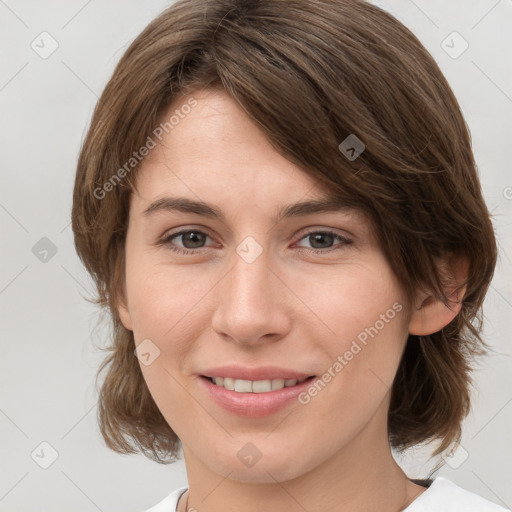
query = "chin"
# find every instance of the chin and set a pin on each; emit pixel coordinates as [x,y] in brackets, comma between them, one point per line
[265,467]
[262,473]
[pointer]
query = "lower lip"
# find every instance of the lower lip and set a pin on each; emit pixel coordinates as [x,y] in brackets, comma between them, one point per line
[253,405]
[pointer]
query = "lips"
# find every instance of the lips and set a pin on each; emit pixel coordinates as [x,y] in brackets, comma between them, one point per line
[248,392]
[255,373]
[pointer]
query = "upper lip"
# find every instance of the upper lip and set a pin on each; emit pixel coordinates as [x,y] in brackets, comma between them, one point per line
[254,374]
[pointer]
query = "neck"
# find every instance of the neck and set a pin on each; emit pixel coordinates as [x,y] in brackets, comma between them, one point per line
[362,476]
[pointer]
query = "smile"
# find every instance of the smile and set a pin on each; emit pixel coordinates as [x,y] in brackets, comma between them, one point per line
[255,386]
[253,399]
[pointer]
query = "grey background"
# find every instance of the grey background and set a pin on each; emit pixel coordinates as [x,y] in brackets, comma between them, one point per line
[49,357]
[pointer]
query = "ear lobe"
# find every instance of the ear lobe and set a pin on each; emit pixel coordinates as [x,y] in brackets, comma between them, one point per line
[432,314]
[124,314]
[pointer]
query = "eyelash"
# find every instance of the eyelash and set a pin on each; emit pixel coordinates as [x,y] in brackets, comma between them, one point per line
[166,241]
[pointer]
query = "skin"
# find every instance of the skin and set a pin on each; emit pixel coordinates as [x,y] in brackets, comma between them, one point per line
[290,307]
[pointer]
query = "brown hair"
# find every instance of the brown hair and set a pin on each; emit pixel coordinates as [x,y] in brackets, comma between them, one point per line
[310,73]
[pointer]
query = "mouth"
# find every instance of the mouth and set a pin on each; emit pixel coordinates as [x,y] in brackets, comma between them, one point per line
[254,399]
[255,386]
[254,392]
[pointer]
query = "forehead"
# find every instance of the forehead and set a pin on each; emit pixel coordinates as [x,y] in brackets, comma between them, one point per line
[217,163]
[215,148]
[196,125]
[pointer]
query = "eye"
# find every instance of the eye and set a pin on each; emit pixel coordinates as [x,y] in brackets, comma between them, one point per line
[192,239]
[322,241]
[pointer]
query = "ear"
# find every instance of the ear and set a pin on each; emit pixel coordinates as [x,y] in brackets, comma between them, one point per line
[123,312]
[430,314]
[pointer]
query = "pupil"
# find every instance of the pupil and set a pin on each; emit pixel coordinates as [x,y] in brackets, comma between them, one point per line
[196,239]
[318,238]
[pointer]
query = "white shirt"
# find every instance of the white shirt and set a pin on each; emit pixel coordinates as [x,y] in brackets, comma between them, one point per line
[442,496]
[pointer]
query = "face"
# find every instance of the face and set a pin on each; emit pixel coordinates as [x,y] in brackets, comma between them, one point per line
[308,294]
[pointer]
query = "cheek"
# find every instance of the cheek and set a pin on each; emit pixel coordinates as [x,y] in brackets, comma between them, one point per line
[364,311]
[347,299]
[164,299]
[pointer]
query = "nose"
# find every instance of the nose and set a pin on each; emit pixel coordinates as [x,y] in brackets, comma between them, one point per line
[253,303]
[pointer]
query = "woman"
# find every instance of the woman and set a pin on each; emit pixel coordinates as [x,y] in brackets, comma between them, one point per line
[279,205]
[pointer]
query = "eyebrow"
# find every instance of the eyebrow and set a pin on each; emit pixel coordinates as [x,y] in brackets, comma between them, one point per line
[185,205]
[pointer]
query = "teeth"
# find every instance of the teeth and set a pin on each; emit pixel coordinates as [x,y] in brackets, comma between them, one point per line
[257,386]
[277,384]
[243,386]
[228,383]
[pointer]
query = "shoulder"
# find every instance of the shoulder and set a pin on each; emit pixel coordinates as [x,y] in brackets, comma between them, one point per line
[445,496]
[168,504]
